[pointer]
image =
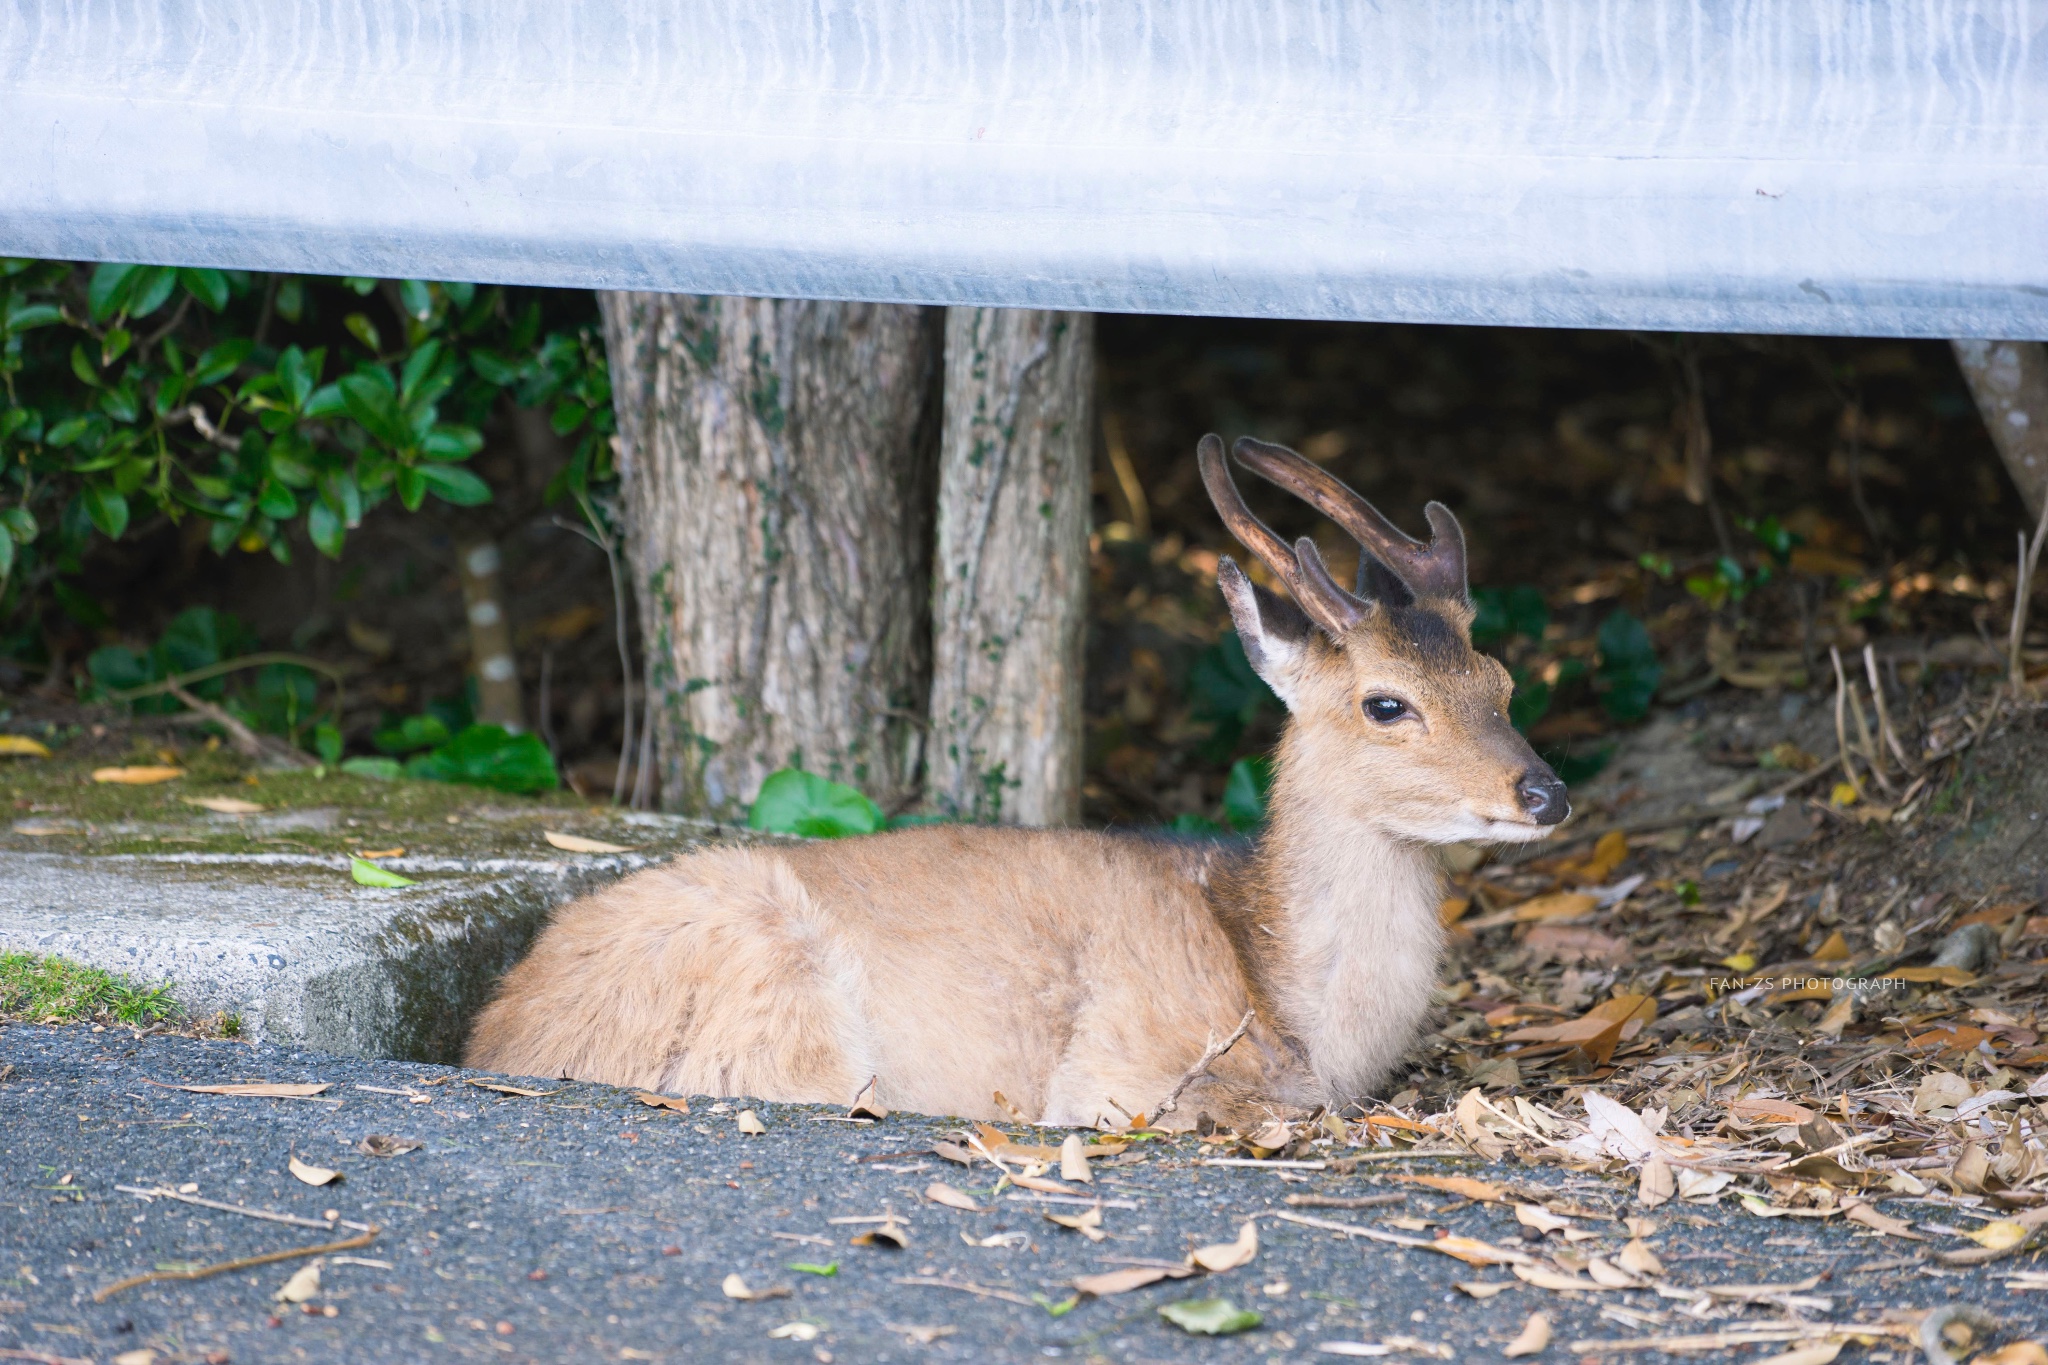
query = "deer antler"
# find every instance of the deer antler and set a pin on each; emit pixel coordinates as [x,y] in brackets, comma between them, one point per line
[1301,568]
[1433,570]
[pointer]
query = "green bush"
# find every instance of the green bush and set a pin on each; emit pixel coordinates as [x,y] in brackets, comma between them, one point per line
[258,403]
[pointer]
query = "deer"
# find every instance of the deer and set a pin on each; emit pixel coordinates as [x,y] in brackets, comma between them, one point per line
[1081,978]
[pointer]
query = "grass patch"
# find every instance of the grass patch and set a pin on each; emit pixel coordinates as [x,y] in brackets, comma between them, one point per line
[36,989]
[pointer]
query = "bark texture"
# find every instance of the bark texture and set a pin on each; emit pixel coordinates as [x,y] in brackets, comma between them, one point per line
[778,461]
[1011,576]
[2009,380]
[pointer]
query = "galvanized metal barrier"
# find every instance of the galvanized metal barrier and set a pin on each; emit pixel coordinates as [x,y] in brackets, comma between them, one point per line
[1861,166]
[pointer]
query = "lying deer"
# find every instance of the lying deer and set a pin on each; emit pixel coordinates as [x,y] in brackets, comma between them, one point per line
[1076,972]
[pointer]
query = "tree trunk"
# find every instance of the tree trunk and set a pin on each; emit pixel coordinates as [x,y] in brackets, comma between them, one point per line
[778,460]
[2009,380]
[1011,578]
[490,636]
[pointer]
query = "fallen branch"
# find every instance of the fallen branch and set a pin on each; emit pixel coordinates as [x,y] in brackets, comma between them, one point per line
[1209,1055]
[935,1282]
[241,738]
[244,1263]
[159,1192]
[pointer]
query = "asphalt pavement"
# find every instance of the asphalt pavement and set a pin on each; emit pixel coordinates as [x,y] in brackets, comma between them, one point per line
[583,1225]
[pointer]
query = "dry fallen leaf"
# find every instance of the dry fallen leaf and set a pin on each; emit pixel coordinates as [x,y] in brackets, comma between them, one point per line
[1131,1277]
[1229,1255]
[939,1192]
[1074,1160]
[223,805]
[576,843]
[1534,1336]
[1557,905]
[1869,1216]
[383,1144]
[2015,1353]
[312,1175]
[1999,1236]
[795,1331]
[21,746]
[1610,1276]
[272,1090]
[1545,1278]
[892,1236]
[733,1287]
[750,1123]
[1472,1251]
[141,1355]
[1038,1183]
[303,1285]
[1637,1259]
[654,1101]
[1088,1222]
[1478,1191]
[1483,1289]
[503,1089]
[143,776]
[1539,1218]
[868,1104]
[1657,1184]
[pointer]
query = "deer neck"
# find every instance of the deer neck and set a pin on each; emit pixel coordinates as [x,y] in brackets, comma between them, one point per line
[1345,930]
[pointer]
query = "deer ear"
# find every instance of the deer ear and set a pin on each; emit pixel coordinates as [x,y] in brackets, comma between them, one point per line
[1274,632]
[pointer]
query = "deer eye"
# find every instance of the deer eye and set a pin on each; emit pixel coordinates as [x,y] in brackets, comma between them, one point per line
[1385,709]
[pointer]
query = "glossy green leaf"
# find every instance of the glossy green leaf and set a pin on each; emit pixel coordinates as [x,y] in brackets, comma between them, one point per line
[366,873]
[372,401]
[376,769]
[277,502]
[107,509]
[412,489]
[6,555]
[1210,1317]
[108,289]
[210,287]
[447,442]
[412,733]
[1629,672]
[114,345]
[152,289]
[82,366]
[219,361]
[324,528]
[20,524]
[362,329]
[327,743]
[796,802]
[452,483]
[417,299]
[33,315]
[417,367]
[488,756]
[295,376]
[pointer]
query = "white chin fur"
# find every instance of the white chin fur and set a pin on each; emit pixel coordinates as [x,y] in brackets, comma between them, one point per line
[1470,828]
[1515,832]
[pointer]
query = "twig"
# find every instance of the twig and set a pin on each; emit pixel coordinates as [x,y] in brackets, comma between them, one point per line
[244,1263]
[2022,591]
[1884,717]
[1209,1055]
[40,1357]
[1870,753]
[157,689]
[935,1282]
[241,737]
[159,1192]
[1841,718]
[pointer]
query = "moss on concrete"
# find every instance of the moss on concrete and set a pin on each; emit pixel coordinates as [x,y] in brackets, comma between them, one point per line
[40,990]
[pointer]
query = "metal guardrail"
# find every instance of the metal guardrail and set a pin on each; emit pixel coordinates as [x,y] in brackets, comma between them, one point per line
[1874,167]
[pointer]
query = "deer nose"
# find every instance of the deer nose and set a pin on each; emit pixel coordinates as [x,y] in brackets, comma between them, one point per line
[1543,796]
